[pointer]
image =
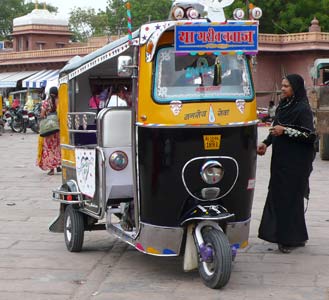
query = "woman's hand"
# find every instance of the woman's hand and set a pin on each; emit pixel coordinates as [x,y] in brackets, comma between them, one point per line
[277,130]
[261,149]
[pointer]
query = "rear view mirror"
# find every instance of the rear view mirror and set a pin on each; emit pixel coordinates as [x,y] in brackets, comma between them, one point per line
[124,66]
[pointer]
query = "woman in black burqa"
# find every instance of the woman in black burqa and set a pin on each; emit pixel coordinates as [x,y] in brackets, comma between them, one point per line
[292,138]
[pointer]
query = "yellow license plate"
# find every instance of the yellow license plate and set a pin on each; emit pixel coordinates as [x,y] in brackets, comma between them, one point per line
[211,142]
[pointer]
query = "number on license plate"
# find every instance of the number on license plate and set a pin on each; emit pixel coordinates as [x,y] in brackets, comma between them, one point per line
[211,142]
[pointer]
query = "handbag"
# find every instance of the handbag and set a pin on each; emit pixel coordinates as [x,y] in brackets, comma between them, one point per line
[49,125]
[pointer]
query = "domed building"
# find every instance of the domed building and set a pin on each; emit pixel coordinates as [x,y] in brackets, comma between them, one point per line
[40,30]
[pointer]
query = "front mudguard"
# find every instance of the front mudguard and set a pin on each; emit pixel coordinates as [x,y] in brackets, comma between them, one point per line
[197,218]
[57,225]
[207,212]
[194,241]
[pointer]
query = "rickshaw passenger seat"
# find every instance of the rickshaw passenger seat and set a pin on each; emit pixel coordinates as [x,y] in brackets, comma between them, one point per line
[86,138]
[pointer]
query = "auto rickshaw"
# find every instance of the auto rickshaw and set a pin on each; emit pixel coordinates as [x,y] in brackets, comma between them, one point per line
[174,173]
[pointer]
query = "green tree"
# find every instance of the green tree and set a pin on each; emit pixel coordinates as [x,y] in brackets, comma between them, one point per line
[284,16]
[11,9]
[85,23]
[142,11]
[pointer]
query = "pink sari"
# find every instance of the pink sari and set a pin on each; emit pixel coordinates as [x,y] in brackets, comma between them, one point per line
[49,152]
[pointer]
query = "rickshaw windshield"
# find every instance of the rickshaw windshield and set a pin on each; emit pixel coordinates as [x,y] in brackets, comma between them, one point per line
[189,78]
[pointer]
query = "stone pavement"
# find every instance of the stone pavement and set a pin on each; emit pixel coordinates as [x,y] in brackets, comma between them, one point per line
[35,265]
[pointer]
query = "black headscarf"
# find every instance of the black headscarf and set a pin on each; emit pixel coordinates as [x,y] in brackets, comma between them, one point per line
[289,108]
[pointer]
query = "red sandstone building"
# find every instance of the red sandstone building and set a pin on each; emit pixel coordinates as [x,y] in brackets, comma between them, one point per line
[41,42]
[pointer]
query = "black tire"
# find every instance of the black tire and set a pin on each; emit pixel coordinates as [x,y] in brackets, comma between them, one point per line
[35,127]
[73,229]
[17,124]
[216,274]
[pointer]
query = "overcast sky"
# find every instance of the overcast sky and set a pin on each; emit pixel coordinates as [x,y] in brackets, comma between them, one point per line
[65,6]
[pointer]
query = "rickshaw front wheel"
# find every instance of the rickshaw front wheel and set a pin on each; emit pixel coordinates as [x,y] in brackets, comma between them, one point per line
[73,229]
[216,271]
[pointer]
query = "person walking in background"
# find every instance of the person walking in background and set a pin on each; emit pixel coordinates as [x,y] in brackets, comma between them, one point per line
[49,153]
[292,138]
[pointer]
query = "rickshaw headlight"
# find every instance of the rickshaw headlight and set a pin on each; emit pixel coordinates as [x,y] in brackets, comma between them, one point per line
[118,160]
[212,172]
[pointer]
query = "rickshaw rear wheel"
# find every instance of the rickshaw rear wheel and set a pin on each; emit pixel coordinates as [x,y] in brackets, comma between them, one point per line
[73,229]
[217,272]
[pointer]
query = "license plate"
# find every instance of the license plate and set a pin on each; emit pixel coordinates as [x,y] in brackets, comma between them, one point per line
[211,142]
[31,118]
[25,117]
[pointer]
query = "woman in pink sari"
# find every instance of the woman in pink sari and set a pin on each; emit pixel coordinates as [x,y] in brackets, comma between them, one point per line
[49,153]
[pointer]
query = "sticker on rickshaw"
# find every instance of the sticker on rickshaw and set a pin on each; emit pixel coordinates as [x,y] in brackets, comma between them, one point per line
[211,142]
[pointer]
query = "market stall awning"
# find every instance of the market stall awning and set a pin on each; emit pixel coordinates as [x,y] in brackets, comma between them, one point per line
[10,79]
[40,79]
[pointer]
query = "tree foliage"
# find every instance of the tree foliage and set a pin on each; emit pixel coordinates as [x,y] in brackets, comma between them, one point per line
[142,11]
[86,22]
[279,16]
[284,16]
[11,9]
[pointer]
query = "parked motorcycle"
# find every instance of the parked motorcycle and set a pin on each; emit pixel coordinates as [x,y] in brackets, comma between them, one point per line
[18,120]
[33,119]
[14,119]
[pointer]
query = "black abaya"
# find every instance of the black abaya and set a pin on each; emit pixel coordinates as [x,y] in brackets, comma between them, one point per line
[283,219]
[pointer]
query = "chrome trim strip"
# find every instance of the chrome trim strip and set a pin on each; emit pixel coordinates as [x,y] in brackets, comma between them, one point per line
[234,124]
[82,113]
[82,131]
[67,146]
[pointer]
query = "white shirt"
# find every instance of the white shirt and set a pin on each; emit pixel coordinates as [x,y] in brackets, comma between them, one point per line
[116,101]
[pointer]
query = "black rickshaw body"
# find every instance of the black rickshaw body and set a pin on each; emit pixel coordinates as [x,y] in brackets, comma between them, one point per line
[173,173]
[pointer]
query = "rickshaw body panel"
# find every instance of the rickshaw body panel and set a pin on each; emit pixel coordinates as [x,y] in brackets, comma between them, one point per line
[68,155]
[165,152]
[150,112]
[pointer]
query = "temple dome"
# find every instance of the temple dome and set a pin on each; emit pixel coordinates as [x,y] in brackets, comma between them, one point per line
[40,17]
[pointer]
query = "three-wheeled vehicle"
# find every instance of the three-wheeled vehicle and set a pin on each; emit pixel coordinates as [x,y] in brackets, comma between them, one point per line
[172,172]
[319,99]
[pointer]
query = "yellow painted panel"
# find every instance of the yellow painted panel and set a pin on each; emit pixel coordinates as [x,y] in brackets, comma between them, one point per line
[63,109]
[149,112]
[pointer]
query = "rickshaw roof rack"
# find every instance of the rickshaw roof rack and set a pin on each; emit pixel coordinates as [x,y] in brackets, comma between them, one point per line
[196,9]
[110,50]
[211,10]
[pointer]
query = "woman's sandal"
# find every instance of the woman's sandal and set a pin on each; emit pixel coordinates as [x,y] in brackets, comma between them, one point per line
[51,172]
[284,249]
